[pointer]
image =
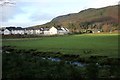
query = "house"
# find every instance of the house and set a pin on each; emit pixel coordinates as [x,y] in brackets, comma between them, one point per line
[35,31]
[62,30]
[18,30]
[65,30]
[38,31]
[53,31]
[13,30]
[29,31]
[46,31]
[6,32]
[56,30]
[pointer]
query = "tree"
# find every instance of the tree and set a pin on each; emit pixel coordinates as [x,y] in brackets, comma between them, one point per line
[72,27]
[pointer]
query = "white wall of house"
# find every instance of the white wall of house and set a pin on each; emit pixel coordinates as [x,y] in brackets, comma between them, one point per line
[13,31]
[46,32]
[29,32]
[37,31]
[18,32]
[7,32]
[61,32]
[26,31]
[53,31]
[22,32]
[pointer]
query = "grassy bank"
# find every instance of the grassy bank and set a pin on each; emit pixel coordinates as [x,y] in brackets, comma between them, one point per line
[85,45]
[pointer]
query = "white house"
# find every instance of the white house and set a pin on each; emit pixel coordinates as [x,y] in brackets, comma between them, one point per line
[35,31]
[18,30]
[38,31]
[67,30]
[29,31]
[64,30]
[6,32]
[56,30]
[53,31]
[46,31]
[13,30]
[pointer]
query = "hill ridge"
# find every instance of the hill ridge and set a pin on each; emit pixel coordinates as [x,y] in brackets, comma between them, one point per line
[91,16]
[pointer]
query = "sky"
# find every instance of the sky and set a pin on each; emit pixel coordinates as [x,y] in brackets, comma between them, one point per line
[26,13]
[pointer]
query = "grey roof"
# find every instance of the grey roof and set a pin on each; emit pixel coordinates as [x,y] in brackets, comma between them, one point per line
[42,29]
[10,28]
[46,29]
[65,29]
[14,28]
[19,28]
[58,28]
[30,28]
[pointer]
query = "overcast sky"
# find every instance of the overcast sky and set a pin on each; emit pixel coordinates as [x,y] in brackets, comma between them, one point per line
[27,13]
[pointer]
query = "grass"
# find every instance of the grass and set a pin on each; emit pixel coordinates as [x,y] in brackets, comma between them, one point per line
[85,45]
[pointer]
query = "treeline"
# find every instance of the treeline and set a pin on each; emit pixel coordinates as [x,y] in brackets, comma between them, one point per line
[83,27]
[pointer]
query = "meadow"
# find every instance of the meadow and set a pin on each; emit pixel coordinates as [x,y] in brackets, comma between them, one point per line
[84,44]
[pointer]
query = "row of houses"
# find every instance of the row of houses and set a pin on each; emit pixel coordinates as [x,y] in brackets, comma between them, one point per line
[34,31]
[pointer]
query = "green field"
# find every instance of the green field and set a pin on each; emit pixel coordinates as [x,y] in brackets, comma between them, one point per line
[84,44]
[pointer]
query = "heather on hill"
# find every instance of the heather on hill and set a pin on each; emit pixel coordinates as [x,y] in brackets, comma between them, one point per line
[104,19]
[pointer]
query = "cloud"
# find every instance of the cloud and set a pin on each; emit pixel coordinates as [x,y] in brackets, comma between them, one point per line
[8,11]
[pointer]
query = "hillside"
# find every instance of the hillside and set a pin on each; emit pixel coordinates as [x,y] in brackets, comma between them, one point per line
[105,19]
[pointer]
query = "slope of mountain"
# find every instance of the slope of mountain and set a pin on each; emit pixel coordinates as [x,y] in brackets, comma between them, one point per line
[91,18]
